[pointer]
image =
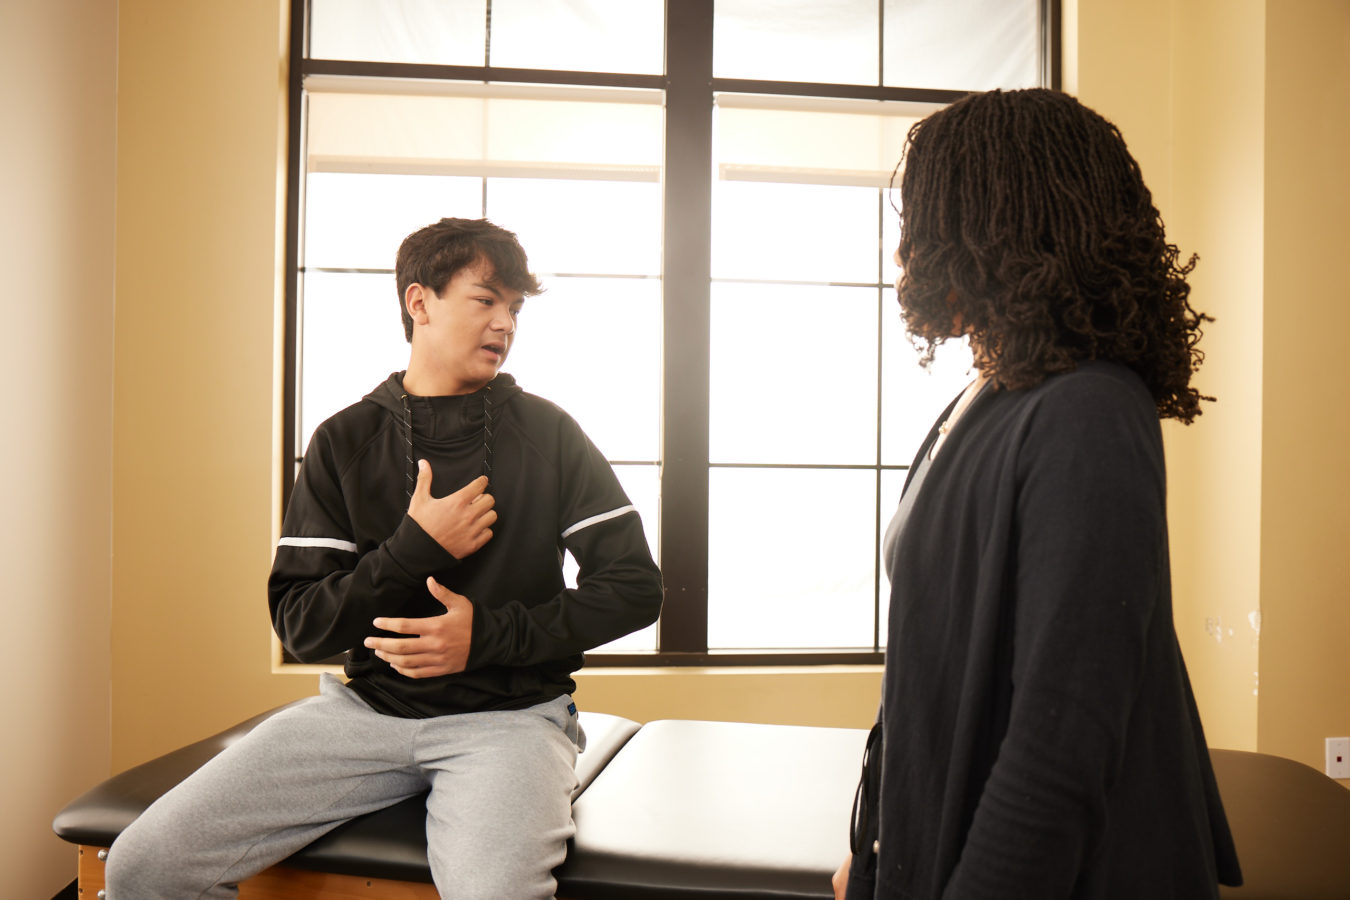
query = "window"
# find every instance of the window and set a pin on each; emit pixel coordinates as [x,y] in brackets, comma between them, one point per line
[716,171]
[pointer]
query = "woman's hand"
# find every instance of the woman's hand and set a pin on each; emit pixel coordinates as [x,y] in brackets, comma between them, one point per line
[840,879]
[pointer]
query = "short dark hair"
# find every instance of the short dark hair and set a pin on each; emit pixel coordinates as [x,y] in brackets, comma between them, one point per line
[432,255]
[1030,207]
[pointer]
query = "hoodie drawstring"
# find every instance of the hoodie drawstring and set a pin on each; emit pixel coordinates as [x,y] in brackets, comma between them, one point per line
[410,469]
[487,431]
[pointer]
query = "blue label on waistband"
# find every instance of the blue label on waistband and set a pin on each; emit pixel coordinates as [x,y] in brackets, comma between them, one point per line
[571,709]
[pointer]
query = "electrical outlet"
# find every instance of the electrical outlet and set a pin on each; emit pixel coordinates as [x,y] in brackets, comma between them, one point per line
[1338,757]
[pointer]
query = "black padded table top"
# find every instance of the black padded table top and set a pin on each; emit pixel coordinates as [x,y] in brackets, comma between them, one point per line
[390,843]
[727,809]
[674,809]
[100,814]
[689,809]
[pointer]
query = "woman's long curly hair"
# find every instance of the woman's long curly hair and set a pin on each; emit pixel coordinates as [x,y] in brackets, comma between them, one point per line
[1028,206]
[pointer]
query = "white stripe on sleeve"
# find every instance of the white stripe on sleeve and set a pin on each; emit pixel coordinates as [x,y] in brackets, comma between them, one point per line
[331,543]
[596,520]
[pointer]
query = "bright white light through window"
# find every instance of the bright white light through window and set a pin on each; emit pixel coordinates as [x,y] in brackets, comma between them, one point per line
[816,403]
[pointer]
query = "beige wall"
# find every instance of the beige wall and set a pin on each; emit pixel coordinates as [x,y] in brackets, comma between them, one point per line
[1239,112]
[1183,81]
[57,65]
[1305,480]
[1217,111]
[200,154]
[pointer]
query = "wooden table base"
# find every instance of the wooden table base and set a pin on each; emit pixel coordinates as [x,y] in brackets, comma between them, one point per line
[282,883]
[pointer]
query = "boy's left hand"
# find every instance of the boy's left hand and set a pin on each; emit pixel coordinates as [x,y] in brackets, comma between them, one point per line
[439,645]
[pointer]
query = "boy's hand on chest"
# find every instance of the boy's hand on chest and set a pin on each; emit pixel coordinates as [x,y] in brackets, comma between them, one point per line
[460,522]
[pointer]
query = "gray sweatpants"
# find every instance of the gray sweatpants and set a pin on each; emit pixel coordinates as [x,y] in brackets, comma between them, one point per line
[498,817]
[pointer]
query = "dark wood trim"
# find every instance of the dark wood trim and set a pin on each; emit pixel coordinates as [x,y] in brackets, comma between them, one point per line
[1052,44]
[815,467]
[499,74]
[883,210]
[841,91]
[295,98]
[686,271]
[736,658]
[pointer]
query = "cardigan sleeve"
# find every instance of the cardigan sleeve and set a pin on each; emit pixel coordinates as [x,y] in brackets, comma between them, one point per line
[1089,571]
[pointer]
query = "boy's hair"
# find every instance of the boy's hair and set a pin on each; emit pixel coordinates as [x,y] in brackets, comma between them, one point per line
[432,255]
[1029,206]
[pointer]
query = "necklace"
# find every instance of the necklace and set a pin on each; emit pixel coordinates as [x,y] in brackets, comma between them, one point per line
[967,397]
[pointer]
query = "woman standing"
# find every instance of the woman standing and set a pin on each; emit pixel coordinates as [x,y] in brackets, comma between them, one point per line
[1039,738]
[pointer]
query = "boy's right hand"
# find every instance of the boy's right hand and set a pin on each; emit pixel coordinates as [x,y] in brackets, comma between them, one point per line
[460,522]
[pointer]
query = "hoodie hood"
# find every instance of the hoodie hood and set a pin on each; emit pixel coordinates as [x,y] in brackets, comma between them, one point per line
[444,418]
[445,421]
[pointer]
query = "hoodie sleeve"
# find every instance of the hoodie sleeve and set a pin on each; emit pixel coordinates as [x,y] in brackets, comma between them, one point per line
[618,585]
[325,588]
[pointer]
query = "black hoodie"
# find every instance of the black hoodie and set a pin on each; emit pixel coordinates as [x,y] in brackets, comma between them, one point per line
[349,552]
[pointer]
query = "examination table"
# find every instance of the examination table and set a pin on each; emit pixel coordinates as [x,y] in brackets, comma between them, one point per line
[676,809]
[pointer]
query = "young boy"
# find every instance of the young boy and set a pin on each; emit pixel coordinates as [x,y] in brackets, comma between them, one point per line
[424,539]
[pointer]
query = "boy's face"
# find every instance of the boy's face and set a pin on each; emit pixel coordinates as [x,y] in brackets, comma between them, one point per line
[462,337]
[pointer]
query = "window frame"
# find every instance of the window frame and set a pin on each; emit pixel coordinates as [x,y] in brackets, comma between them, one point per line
[690,90]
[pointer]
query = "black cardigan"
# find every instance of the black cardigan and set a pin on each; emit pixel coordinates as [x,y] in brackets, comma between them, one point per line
[1041,739]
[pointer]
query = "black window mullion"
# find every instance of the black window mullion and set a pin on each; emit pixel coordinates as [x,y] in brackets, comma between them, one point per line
[294,167]
[881,410]
[495,74]
[686,320]
[1052,61]
[840,91]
